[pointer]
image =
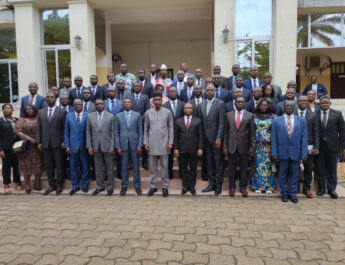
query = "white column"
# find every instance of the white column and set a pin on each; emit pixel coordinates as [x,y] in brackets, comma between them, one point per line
[224,53]
[81,22]
[284,36]
[29,59]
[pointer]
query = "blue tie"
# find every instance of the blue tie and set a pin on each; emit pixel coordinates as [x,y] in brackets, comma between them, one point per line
[234,81]
[217,92]
[112,106]
[85,107]
[137,99]
[78,92]
[174,108]
[254,83]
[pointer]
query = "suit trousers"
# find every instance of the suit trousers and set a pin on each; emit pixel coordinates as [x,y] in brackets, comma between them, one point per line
[188,169]
[118,165]
[104,161]
[65,164]
[53,160]
[308,173]
[241,160]
[124,167]
[215,160]
[74,160]
[327,168]
[171,163]
[288,167]
[154,170]
[10,161]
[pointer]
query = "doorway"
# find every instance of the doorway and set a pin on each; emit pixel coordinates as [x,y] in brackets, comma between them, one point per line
[338,80]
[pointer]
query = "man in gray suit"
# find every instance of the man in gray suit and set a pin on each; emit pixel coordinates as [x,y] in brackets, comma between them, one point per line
[88,105]
[158,141]
[100,136]
[239,144]
[277,89]
[213,117]
[198,79]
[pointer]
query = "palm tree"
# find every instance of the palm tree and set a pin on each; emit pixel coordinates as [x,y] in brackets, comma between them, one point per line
[322,27]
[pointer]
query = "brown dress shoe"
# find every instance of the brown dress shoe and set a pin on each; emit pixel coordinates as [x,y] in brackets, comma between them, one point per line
[123,191]
[308,194]
[49,190]
[138,191]
[58,190]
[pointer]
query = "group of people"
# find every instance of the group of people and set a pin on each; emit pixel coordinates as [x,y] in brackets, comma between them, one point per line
[248,121]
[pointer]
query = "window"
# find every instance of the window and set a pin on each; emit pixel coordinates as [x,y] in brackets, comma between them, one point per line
[8,81]
[8,49]
[55,26]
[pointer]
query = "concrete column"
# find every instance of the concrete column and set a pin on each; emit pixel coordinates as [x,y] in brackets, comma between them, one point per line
[224,53]
[81,22]
[284,36]
[29,56]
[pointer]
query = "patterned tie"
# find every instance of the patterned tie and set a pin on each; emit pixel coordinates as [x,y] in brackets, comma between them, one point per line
[289,126]
[31,100]
[174,108]
[254,83]
[187,125]
[50,114]
[238,120]
[78,119]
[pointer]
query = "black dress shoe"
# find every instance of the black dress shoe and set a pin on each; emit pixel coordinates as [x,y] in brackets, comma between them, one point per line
[184,190]
[218,191]
[110,191]
[73,191]
[165,192]
[98,190]
[152,191]
[192,190]
[320,193]
[294,199]
[85,190]
[209,188]
[333,195]
[285,198]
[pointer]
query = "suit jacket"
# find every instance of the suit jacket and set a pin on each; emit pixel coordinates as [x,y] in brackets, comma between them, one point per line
[250,106]
[248,83]
[191,140]
[224,82]
[279,108]
[230,81]
[148,89]
[7,136]
[196,111]
[316,107]
[214,122]
[68,108]
[174,84]
[223,95]
[246,94]
[50,133]
[320,89]
[184,95]
[100,136]
[26,100]
[123,95]
[118,106]
[229,106]
[334,133]
[243,138]
[143,103]
[313,128]
[91,107]
[277,91]
[202,83]
[75,135]
[148,78]
[128,137]
[98,94]
[105,90]
[73,94]
[295,147]
[179,109]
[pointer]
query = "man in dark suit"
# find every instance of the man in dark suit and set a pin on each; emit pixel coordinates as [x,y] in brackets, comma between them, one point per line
[246,93]
[317,87]
[50,139]
[213,119]
[313,141]
[111,83]
[332,142]
[220,93]
[180,84]
[176,108]
[77,90]
[64,104]
[198,79]
[257,95]
[291,84]
[188,145]
[289,147]
[290,95]
[96,90]
[230,106]
[277,89]
[232,79]
[75,145]
[100,137]
[187,93]
[121,93]
[88,105]
[239,144]
[146,87]
[33,98]
[253,81]
[153,76]
[224,83]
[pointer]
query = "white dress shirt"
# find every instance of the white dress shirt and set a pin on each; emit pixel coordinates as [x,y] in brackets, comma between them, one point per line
[180,86]
[241,114]
[292,120]
[153,80]
[314,87]
[34,100]
[53,110]
[185,119]
[299,112]
[172,104]
[256,80]
[80,115]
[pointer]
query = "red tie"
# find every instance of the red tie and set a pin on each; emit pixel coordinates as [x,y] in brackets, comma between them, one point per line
[187,125]
[141,87]
[31,100]
[238,120]
[289,126]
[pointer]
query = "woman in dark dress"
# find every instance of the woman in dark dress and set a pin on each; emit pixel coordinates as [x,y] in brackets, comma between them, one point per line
[30,162]
[9,159]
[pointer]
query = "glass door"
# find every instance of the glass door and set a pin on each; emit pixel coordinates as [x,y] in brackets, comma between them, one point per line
[8,81]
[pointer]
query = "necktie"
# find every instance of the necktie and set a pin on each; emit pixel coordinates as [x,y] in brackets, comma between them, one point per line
[99,118]
[187,125]
[50,114]
[301,114]
[209,104]
[142,87]
[137,99]
[93,91]
[324,119]
[127,118]
[78,92]
[32,100]
[179,88]
[112,106]
[254,83]
[198,81]
[217,92]
[289,126]
[78,118]
[234,81]
[174,108]
[85,107]
[189,93]
[238,120]
[65,108]
[198,103]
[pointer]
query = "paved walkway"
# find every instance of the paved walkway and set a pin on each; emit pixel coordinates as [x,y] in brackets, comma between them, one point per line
[174,230]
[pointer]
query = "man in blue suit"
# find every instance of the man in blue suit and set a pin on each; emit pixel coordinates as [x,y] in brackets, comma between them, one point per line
[289,146]
[187,93]
[128,142]
[246,93]
[75,145]
[253,81]
[317,87]
[32,99]
[220,92]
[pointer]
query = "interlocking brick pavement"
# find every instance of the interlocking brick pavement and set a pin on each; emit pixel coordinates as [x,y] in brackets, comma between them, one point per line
[175,230]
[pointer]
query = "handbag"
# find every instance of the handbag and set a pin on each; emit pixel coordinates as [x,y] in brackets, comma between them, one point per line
[21,146]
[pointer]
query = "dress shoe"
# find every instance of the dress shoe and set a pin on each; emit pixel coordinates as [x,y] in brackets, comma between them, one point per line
[138,191]
[333,195]
[49,190]
[308,194]
[244,193]
[218,191]
[98,190]
[165,192]
[110,191]
[73,191]
[209,188]
[58,190]
[192,190]
[320,193]
[285,198]
[28,192]
[184,190]
[232,192]
[85,190]
[123,191]
[152,191]
[294,199]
